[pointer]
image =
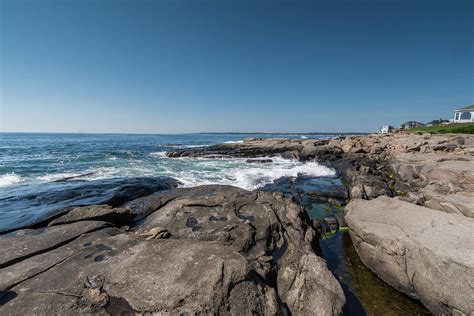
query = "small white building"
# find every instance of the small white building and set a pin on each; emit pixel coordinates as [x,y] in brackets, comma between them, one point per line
[386,129]
[464,115]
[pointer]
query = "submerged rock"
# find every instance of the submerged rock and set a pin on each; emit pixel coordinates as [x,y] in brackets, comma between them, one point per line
[424,253]
[263,160]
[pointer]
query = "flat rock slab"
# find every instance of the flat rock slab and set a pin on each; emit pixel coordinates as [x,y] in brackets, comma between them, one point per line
[424,253]
[105,213]
[37,264]
[23,244]
[133,276]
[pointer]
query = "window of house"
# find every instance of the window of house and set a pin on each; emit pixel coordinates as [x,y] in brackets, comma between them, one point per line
[456,116]
[466,116]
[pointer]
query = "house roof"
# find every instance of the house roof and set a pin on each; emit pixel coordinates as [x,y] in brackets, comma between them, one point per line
[469,107]
[437,121]
[412,122]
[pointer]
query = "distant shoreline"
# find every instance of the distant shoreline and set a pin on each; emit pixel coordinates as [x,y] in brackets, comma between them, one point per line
[194,133]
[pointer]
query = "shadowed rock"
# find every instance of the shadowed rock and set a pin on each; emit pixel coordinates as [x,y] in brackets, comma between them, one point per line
[117,216]
[35,205]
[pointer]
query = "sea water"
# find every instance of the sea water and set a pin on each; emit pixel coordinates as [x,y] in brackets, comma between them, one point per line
[35,166]
[27,159]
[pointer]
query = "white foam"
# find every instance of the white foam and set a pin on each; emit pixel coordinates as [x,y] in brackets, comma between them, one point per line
[9,179]
[304,137]
[194,171]
[195,146]
[159,154]
[234,142]
[56,176]
[187,146]
[238,173]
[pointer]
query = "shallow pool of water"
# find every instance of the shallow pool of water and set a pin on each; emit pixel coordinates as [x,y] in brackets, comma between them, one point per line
[366,293]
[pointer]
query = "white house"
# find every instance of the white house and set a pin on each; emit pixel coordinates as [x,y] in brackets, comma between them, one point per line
[386,129]
[464,115]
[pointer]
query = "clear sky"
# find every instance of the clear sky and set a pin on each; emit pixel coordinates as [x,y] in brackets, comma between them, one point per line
[195,66]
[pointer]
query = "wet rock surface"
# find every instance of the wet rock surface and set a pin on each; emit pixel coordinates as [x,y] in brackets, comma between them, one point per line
[209,249]
[37,205]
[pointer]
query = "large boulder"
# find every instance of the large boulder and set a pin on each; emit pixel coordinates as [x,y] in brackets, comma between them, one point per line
[426,254]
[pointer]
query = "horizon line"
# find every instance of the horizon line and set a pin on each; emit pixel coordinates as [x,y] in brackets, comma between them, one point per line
[185,133]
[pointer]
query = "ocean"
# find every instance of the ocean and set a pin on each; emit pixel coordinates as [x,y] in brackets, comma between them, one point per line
[36,169]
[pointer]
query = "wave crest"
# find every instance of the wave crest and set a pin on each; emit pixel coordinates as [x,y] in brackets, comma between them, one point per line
[9,179]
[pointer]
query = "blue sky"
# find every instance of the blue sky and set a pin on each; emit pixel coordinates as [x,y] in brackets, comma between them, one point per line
[194,66]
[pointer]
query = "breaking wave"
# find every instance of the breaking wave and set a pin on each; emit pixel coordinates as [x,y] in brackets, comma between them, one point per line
[9,179]
[190,171]
[238,172]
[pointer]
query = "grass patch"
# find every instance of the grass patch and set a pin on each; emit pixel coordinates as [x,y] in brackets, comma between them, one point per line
[464,128]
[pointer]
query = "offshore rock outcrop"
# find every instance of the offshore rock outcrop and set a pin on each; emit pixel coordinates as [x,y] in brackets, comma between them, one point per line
[209,249]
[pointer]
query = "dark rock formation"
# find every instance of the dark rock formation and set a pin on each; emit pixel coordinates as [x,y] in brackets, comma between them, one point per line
[117,216]
[253,148]
[209,249]
[261,160]
[48,200]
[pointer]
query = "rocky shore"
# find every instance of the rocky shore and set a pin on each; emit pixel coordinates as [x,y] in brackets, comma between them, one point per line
[225,250]
[208,249]
[411,206]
